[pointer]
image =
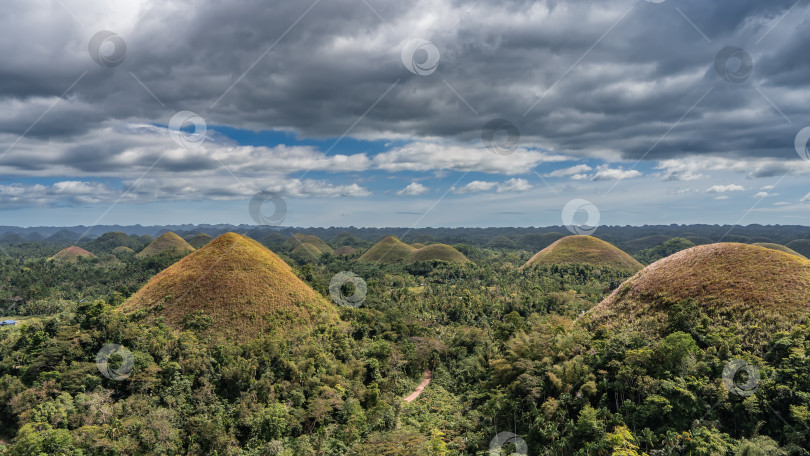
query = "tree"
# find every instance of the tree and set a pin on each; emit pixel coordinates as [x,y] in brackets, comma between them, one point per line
[622,442]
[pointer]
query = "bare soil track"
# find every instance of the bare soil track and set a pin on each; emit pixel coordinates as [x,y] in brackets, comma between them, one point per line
[421,387]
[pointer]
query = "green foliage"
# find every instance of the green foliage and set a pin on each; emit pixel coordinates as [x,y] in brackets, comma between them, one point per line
[507,348]
[667,248]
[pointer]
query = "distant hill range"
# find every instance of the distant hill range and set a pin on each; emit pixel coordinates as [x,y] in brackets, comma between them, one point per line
[532,239]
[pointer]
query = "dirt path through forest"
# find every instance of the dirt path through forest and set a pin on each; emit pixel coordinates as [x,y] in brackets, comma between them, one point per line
[421,387]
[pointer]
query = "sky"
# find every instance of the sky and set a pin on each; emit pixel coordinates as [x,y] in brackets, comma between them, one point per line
[409,114]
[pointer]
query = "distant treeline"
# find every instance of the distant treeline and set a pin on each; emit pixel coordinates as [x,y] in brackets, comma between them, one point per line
[781,234]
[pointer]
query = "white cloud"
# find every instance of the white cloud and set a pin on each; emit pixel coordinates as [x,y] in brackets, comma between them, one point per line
[571,171]
[511,185]
[725,188]
[475,187]
[428,156]
[603,172]
[761,195]
[149,189]
[514,185]
[606,173]
[694,168]
[414,189]
[722,197]
[65,192]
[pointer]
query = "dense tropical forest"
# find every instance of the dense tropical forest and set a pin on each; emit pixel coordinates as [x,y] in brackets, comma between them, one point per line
[518,360]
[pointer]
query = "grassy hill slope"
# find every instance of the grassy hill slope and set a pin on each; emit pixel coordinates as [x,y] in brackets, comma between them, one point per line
[580,249]
[235,288]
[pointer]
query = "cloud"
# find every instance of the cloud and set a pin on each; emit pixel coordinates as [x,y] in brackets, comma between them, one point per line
[514,185]
[603,173]
[606,173]
[573,170]
[725,188]
[511,185]
[476,186]
[647,92]
[64,193]
[427,156]
[695,168]
[146,190]
[414,189]
[761,194]
[647,72]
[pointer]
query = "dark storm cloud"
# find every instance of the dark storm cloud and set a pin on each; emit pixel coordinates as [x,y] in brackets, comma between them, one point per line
[500,58]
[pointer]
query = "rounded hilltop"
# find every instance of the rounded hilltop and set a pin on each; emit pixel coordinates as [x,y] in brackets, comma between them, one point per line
[199,240]
[299,239]
[753,289]
[234,288]
[583,250]
[306,251]
[165,243]
[439,252]
[392,250]
[71,255]
[388,250]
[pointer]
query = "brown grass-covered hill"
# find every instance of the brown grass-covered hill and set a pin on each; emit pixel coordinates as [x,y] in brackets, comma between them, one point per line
[779,247]
[388,250]
[581,249]
[417,245]
[298,239]
[71,254]
[306,251]
[232,288]
[167,242]
[199,240]
[440,252]
[746,290]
